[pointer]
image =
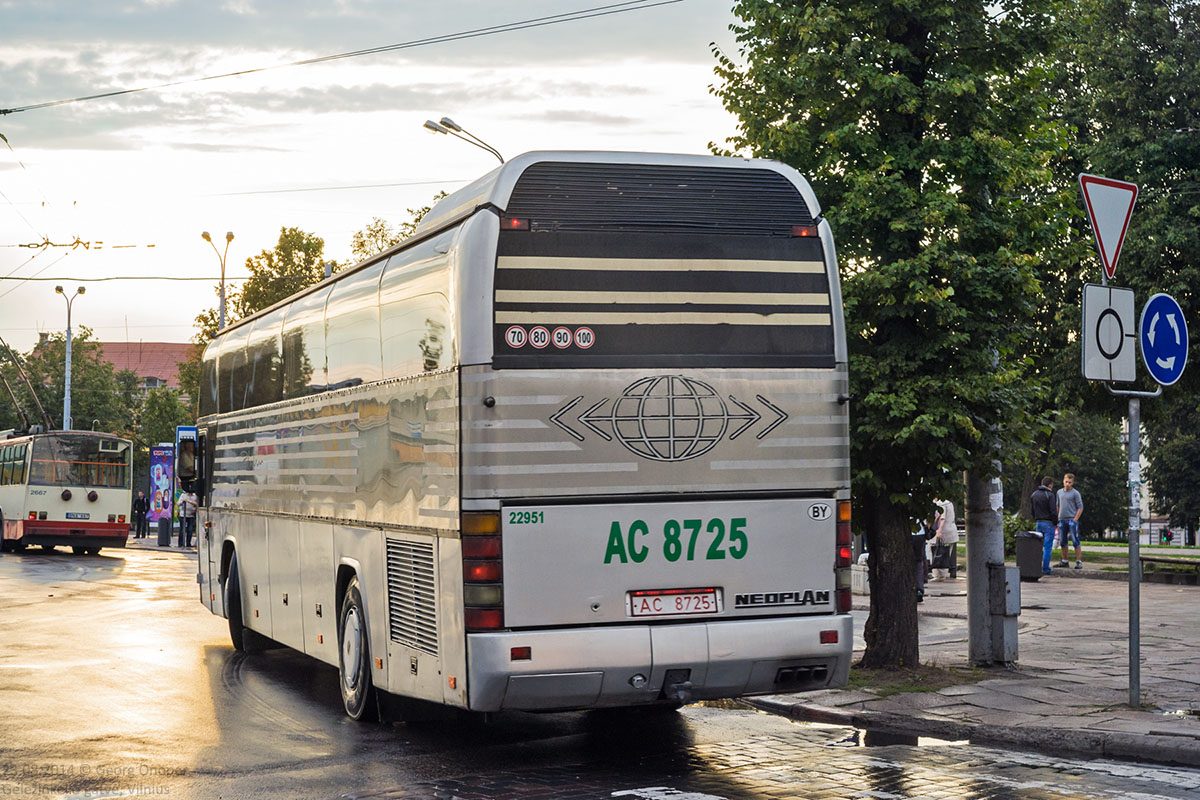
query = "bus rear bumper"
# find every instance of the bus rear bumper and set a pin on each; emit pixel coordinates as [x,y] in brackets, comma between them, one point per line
[635,665]
[75,534]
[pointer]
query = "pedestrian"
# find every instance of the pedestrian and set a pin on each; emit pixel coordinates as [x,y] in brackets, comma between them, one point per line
[1045,513]
[1070,509]
[945,557]
[920,537]
[140,506]
[187,514]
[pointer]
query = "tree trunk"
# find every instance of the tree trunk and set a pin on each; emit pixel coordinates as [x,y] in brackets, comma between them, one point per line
[891,630]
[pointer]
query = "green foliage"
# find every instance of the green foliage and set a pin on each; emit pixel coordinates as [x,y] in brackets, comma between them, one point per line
[379,235]
[1014,524]
[162,411]
[924,132]
[97,397]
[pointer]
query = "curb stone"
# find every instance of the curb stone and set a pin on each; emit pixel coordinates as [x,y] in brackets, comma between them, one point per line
[1179,750]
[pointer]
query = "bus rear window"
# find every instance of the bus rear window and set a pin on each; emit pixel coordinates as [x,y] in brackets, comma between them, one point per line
[659,267]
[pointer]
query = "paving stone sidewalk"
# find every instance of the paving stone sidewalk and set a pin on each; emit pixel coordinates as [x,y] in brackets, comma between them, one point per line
[1069,693]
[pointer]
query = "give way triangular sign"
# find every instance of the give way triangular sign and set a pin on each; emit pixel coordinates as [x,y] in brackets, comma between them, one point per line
[1109,207]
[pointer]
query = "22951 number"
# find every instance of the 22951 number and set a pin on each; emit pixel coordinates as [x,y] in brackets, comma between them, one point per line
[687,540]
[526,517]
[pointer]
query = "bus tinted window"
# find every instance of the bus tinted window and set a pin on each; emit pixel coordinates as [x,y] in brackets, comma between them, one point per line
[352,328]
[304,369]
[264,360]
[414,300]
[208,382]
[231,369]
[79,460]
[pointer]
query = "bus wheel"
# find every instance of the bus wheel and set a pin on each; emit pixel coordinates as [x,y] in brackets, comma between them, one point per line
[354,656]
[233,605]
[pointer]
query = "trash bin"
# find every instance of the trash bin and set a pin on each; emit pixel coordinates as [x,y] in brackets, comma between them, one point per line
[1029,555]
[164,531]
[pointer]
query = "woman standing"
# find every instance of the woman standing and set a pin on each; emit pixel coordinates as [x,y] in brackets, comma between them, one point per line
[945,561]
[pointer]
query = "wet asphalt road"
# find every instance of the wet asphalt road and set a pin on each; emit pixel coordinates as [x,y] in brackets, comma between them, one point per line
[116,682]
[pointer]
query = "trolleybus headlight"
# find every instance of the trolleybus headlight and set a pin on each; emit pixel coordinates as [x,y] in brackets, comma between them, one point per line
[66,494]
[93,496]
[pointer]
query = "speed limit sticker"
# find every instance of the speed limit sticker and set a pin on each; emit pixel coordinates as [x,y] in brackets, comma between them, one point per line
[584,338]
[561,338]
[539,337]
[515,336]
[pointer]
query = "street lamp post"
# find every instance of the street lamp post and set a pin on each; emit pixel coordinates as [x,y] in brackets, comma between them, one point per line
[220,255]
[452,128]
[67,371]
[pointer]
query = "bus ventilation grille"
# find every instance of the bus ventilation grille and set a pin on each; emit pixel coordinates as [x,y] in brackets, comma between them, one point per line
[412,607]
[644,198]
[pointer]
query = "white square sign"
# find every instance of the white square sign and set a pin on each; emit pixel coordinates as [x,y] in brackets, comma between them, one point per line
[1109,334]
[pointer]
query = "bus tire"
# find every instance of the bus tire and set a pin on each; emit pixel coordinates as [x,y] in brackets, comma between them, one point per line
[233,606]
[354,656]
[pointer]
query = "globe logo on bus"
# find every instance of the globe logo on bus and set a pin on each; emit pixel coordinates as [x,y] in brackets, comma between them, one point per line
[669,418]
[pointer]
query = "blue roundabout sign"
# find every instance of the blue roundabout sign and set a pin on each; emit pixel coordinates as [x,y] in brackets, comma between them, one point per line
[1163,334]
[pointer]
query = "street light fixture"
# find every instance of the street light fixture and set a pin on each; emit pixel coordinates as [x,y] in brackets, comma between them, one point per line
[228,238]
[449,126]
[67,369]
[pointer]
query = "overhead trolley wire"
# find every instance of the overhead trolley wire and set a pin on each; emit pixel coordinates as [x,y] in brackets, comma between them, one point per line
[536,22]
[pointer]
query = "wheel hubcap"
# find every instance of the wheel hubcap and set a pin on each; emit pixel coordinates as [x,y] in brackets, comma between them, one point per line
[351,650]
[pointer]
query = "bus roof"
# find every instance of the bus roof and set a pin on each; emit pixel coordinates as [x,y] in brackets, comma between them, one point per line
[495,188]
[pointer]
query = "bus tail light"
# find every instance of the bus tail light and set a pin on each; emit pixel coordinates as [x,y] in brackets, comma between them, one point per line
[842,559]
[120,517]
[804,231]
[483,571]
[112,517]
[514,224]
[33,515]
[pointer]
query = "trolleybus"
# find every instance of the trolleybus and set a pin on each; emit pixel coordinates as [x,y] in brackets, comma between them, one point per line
[64,488]
[581,441]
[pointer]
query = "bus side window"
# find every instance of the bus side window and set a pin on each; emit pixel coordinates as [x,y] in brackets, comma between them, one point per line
[6,460]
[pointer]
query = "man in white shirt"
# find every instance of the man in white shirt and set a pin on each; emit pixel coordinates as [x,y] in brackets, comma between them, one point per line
[946,534]
[188,504]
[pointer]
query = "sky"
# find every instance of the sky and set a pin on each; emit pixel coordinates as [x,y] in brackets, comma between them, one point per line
[324,147]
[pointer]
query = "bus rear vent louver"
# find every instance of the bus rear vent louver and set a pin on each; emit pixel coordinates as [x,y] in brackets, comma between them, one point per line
[643,198]
[412,607]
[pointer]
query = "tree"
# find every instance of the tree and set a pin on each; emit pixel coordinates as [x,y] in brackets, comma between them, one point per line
[294,264]
[923,129]
[379,235]
[96,396]
[1088,445]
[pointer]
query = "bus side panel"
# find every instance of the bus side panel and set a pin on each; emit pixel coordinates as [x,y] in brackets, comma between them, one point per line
[286,598]
[413,592]
[212,530]
[254,569]
[317,577]
[362,551]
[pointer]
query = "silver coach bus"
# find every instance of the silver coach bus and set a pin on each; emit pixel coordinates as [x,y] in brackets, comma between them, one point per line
[581,441]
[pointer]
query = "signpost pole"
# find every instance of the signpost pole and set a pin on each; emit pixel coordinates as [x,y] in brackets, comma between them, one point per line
[1135,562]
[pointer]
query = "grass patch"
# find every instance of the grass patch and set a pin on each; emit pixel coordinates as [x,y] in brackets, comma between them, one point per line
[925,678]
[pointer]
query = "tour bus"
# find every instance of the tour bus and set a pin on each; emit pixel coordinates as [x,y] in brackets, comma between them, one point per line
[581,441]
[64,488]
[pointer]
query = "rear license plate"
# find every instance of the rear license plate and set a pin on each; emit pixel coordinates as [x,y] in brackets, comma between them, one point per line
[78,515]
[673,602]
